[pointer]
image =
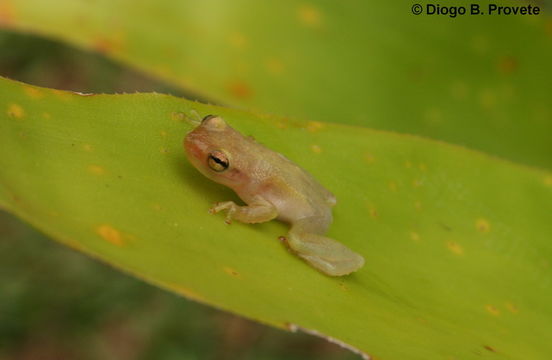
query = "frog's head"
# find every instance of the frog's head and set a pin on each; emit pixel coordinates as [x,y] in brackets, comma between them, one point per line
[214,148]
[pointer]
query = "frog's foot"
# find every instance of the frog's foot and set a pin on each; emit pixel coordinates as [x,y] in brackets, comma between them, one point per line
[259,210]
[225,205]
[325,254]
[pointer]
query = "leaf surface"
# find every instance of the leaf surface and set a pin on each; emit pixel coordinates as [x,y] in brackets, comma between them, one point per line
[457,243]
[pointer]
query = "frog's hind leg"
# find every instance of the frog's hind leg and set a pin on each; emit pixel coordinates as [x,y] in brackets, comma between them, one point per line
[323,253]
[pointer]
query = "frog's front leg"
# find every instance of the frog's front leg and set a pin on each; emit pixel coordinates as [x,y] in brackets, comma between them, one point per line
[257,211]
[323,253]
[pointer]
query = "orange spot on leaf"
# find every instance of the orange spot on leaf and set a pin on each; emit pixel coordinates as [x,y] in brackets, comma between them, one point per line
[373,212]
[314,126]
[316,149]
[33,93]
[111,235]
[512,308]
[239,89]
[108,45]
[455,248]
[309,16]
[493,310]
[16,111]
[96,169]
[63,95]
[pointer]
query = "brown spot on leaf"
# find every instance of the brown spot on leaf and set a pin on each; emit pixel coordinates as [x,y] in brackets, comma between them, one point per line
[231,272]
[482,225]
[178,116]
[343,287]
[548,27]
[507,65]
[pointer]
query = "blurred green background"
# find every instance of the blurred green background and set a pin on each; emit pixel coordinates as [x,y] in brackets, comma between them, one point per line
[56,303]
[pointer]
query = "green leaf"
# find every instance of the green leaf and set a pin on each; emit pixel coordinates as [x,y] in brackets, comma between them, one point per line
[480,81]
[457,243]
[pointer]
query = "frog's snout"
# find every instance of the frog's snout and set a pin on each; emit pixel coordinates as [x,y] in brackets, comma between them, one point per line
[194,146]
[190,147]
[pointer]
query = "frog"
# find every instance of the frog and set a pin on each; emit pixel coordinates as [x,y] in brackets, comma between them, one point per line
[272,187]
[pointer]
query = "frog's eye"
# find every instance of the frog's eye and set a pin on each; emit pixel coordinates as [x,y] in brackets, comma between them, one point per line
[218,161]
[214,123]
[208,117]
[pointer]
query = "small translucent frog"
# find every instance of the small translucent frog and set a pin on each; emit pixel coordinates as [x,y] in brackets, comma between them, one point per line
[273,187]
